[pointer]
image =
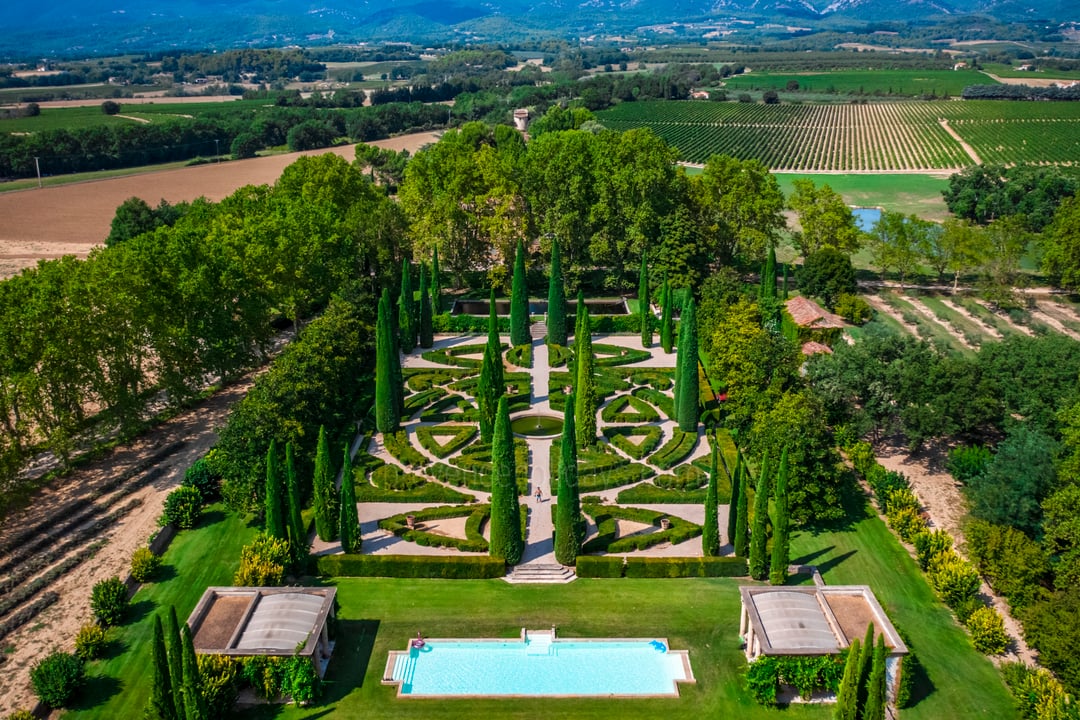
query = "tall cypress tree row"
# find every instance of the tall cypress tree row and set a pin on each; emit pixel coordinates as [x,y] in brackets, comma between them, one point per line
[273,505]
[742,535]
[427,332]
[175,652]
[495,343]
[569,523]
[643,303]
[667,323]
[194,703]
[407,308]
[847,697]
[506,541]
[686,368]
[733,503]
[387,415]
[436,282]
[710,537]
[556,317]
[781,526]
[161,700]
[519,301]
[875,685]
[348,520]
[585,380]
[326,509]
[758,537]
[295,520]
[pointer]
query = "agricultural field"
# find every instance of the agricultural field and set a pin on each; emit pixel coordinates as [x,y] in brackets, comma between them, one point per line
[865,82]
[878,137]
[72,118]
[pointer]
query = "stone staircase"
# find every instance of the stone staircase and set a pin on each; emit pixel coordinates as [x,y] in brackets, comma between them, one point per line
[538,330]
[537,573]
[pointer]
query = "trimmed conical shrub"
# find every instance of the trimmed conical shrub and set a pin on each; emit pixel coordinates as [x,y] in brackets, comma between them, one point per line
[275,518]
[556,317]
[569,524]
[781,526]
[667,322]
[643,304]
[519,301]
[585,380]
[348,520]
[710,536]
[686,368]
[326,509]
[758,537]
[506,540]
[426,331]
[493,340]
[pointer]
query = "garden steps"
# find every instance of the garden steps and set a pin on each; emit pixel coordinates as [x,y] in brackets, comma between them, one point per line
[540,573]
[538,330]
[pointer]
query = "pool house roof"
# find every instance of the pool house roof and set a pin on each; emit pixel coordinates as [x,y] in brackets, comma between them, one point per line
[811,620]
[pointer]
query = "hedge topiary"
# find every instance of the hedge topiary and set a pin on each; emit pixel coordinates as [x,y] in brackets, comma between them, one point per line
[109,601]
[56,678]
[450,567]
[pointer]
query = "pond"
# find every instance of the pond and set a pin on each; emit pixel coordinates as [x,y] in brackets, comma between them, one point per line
[537,425]
[616,306]
[865,217]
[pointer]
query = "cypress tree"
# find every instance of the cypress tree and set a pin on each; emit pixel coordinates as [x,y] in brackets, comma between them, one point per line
[161,700]
[175,652]
[387,416]
[667,324]
[866,656]
[427,333]
[436,282]
[556,317]
[875,690]
[710,537]
[194,703]
[506,541]
[275,518]
[761,514]
[781,522]
[519,301]
[569,524]
[297,533]
[733,503]
[585,382]
[686,368]
[496,345]
[742,514]
[487,396]
[326,511]
[348,521]
[783,291]
[406,308]
[847,697]
[643,304]
[768,275]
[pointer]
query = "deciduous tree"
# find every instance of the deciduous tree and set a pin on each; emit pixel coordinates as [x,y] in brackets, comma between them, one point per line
[825,218]
[740,208]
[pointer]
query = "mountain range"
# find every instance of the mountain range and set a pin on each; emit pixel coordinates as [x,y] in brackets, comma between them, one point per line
[70,27]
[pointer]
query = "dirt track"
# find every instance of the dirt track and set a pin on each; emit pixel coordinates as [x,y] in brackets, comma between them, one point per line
[72,219]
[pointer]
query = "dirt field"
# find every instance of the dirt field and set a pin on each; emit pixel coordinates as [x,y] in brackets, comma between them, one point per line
[72,219]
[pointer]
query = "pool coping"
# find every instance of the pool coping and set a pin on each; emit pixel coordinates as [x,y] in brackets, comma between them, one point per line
[684,655]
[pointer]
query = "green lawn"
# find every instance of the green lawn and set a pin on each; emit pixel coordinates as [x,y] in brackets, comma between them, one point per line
[899,192]
[119,686]
[960,683]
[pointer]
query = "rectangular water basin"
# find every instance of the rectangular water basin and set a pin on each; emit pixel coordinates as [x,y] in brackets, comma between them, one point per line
[538,666]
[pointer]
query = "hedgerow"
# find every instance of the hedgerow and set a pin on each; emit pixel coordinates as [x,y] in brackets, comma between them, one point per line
[612,355]
[473,542]
[655,397]
[460,435]
[642,412]
[391,477]
[398,445]
[607,540]
[451,567]
[675,450]
[619,437]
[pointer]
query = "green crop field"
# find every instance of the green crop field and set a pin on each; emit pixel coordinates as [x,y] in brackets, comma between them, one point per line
[876,137]
[865,82]
[907,193]
[72,118]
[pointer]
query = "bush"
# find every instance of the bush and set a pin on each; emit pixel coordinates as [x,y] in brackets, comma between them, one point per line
[661,400]
[182,508]
[987,631]
[263,562]
[473,541]
[220,675]
[675,450]
[109,601]
[203,479]
[465,567]
[686,477]
[967,462]
[929,544]
[645,439]
[144,563]
[589,566]
[398,445]
[90,641]
[616,412]
[110,107]
[954,580]
[906,522]
[21,714]
[661,567]
[56,678]
[827,274]
[606,541]
[391,477]
[460,436]
[853,308]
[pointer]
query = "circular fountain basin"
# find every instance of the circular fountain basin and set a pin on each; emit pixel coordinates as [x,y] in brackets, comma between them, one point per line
[537,425]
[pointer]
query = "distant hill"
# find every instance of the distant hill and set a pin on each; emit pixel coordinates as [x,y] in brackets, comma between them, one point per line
[72,27]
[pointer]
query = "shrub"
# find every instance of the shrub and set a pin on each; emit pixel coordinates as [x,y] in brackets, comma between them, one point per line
[263,562]
[649,494]
[90,641]
[966,462]
[661,400]
[109,601]
[520,355]
[201,477]
[606,540]
[220,675]
[182,508]
[589,566]
[464,567]
[675,450]
[647,438]
[853,308]
[954,580]
[929,544]
[987,631]
[460,436]
[612,355]
[686,477]
[21,714]
[906,522]
[144,563]
[398,445]
[391,477]
[56,678]
[616,412]
[473,541]
[612,477]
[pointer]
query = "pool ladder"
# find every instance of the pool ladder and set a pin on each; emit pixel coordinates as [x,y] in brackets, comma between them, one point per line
[539,643]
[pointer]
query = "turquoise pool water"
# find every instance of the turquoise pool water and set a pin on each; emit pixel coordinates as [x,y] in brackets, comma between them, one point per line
[541,667]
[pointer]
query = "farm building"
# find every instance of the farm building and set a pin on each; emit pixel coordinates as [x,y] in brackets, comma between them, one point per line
[816,620]
[813,326]
[270,621]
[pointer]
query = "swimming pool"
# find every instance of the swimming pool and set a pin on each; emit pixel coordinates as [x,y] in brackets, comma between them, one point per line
[539,666]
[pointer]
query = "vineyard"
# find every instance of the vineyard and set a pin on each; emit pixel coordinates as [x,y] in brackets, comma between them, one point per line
[850,137]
